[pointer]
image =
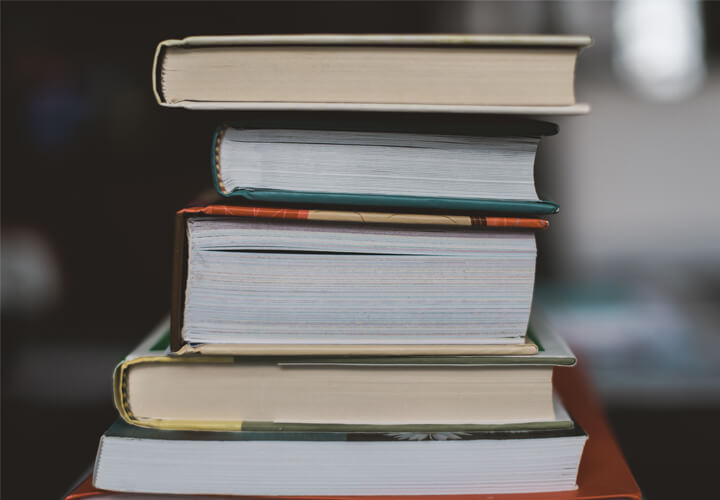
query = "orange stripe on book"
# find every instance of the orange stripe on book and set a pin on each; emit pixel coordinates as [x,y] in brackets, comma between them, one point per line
[516,222]
[245,211]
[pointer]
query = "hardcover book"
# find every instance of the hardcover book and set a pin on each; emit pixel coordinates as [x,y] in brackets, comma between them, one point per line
[522,74]
[154,388]
[258,275]
[133,459]
[442,165]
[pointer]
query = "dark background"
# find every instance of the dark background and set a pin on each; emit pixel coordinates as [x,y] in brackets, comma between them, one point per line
[93,170]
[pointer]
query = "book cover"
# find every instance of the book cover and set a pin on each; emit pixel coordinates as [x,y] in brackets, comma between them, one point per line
[552,351]
[560,98]
[180,246]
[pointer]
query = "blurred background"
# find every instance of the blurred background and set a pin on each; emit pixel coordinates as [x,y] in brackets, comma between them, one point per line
[93,170]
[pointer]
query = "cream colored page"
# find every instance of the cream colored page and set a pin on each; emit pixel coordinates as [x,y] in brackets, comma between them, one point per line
[447,76]
[360,395]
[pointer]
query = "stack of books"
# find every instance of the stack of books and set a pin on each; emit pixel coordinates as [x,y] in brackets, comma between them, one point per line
[354,317]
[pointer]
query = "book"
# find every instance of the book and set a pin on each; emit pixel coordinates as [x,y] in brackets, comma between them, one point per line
[133,459]
[478,167]
[603,472]
[262,276]
[155,388]
[522,74]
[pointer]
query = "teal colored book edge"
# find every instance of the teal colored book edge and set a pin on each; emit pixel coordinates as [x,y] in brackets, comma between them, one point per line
[505,207]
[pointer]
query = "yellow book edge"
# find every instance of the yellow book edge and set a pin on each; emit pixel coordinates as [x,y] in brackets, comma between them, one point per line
[123,408]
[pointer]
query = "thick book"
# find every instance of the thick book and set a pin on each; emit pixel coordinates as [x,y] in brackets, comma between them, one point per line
[263,275]
[158,389]
[133,459]
[484,166]
[525,74]
[603,472]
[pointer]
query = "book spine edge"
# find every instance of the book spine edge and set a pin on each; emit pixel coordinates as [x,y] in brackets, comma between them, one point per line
[159,50]
[177,295]
[215,160]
